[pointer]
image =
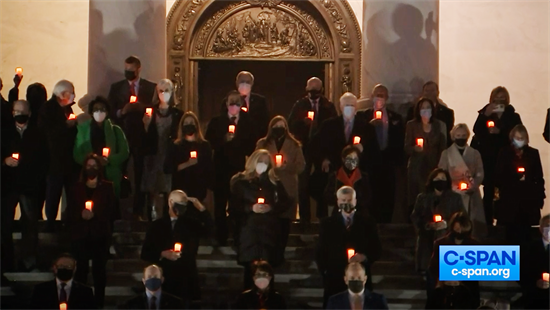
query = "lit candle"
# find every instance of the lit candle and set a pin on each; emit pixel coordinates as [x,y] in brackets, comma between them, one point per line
[356,140]
[378,115]
[546,277]
[420,142]
[177,247]
[72,116]
[463,186]
[106,152]
[351,252]
[490,124]
[245,109]
[521,170]
[19,71]
[133,99]
[437,218]
[231,129]
[311,115]
[89,205]
[193,154]
[279,160]
[149,111]
[15,156]
[261,200]
[63,306]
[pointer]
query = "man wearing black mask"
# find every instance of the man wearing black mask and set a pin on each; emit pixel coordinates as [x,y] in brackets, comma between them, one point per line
[340,233]
[128,99]
[303,128]
[172,243]
[357,296]
[23,175]
[49,295]
[154,297]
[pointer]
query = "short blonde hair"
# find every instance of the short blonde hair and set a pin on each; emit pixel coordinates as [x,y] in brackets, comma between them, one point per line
[250,166]
[162,84]
[61,87]
[521,129]
[245,73]
[460,126]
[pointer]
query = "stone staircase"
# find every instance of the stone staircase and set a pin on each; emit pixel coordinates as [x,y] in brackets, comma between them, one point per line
[221,277]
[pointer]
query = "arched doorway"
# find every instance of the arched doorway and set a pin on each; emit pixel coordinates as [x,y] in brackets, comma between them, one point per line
[282,43]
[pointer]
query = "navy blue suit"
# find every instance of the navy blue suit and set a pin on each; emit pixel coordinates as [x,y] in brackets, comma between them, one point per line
[370,301]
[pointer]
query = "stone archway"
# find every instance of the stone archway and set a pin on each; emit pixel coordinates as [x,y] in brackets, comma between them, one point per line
[314,31]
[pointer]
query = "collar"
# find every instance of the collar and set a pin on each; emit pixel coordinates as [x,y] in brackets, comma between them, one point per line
[151,294]
[314,101]
[343,177]
[361,294]
[237,116]
[545,243]
[348,216]
[136,81]
[173,219]
[68,286]
[22,128]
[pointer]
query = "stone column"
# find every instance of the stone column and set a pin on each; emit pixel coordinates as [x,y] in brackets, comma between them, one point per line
[400,46]
[122,28]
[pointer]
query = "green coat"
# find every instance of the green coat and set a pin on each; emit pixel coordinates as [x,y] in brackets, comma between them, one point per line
[114,140]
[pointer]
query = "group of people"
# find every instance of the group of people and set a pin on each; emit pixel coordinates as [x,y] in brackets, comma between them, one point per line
[257,174]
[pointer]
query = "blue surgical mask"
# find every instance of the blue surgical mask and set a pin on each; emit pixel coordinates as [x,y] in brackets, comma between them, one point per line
[426,113]
[153,284]
[349,111]
[519,143]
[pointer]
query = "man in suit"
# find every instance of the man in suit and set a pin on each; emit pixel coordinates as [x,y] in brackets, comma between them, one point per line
[341,232]
[356,296]
[303,128]
[335,134]
[230,152]
[49,295]
[154,297]
[129,116]
[390,134]
[188,222]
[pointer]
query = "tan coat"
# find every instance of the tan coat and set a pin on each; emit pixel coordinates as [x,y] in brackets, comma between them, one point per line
[293,165]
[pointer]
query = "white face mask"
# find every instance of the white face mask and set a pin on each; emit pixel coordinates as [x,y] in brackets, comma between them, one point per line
[519,143]
[499,108]
[165,97]
[349,111]
[379,103]
[261,283]
[71,98]
[426,113]
[99,116]
[261,168]
[244,89]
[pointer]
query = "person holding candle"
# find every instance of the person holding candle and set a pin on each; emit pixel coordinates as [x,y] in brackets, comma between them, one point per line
[63,289]
[282,146]
[100,135]
[230,152]
[60,135]
[258,199]
[6,109]
[489,141]
[389,169]
[534,269]
[23,175]
[161,129]
[466,169]
[423,154]
[341,232]
[438,198]
[263,294]
[521,194]
[350,175]
[189,160]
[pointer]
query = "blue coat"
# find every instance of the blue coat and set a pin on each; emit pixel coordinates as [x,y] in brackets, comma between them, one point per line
[371,301]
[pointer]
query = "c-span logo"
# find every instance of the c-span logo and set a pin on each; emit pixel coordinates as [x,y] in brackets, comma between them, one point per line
[478,263]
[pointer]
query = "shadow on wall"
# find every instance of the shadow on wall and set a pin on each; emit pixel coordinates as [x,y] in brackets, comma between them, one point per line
[407,63]
[138,29]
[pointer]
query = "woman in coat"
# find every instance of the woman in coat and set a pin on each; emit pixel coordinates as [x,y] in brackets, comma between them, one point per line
[98,133]
[161,128]
[466,169]
[257,201]
[424,142]
[89,214]
[350,174]
[520,183]
[189,159]
[263,294]
[279,141]
[492,130]
[437,199]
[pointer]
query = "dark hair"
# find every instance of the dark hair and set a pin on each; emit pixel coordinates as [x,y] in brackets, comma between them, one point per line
[461,218]
[350,149]
[99,99]
[264,266]
[64,255]
[430,83]
[133,60]
[433,174]
[98,162]
[418,107]
[36,96]
[288,134]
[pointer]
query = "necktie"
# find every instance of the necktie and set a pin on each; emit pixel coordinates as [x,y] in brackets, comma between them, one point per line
[133,88]
[153,303]
[233,119]
[316,107]
[357,303]
[348,222]
[63,293]
[173,224]
[348,130]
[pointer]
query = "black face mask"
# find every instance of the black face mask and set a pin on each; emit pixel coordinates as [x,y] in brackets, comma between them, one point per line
[459,236]
[21,118]
[440,185]
[461,142]
[347,207]
[130,75]
[314,94]
[189,129]
[91,173]
[180,208]
[64,274]
[153,284]
[356,286]
[278,132]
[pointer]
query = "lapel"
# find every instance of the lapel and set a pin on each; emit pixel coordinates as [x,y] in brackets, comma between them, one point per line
[141,89]
[54,291]
[342,129]
[347,303]
[144,301]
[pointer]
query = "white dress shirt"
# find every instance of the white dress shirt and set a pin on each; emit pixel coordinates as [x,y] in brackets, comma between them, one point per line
[157,294]
[68,286]
[352,297]
[136,85]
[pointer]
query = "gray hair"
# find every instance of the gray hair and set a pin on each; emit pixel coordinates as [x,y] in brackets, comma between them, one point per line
[61,87]
[457,127]
[346,190]
[25,103]
[347,97]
